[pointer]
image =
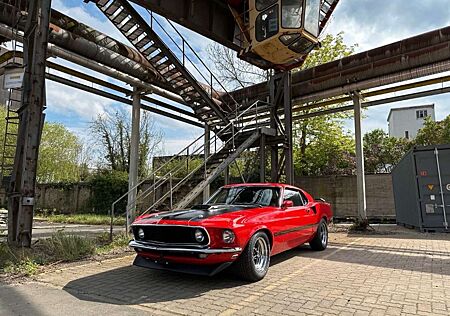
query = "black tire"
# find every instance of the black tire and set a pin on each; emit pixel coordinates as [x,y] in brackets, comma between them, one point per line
[249,266]
[320,240]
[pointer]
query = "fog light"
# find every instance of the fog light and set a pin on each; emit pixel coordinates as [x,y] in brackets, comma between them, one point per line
[202,255]
[198,235]
[228,236]
[141,233]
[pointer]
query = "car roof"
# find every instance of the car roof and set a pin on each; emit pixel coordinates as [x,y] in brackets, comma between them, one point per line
[265,184]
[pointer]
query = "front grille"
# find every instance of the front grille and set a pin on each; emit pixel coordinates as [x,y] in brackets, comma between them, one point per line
[170,235]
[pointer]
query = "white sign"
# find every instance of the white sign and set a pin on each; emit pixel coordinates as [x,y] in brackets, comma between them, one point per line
[13,79]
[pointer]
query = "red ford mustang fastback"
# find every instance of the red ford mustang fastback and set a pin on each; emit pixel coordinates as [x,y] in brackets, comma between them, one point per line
[241,225]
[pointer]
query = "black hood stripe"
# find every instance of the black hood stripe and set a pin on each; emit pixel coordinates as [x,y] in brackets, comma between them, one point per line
[197,214]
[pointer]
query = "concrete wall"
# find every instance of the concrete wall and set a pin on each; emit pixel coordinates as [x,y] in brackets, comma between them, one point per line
[340,192]
[65,199]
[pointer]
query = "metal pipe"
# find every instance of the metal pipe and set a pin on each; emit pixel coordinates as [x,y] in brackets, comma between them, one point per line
[82,30]
[377,82]
[119,99]
[56,51]
[376,102]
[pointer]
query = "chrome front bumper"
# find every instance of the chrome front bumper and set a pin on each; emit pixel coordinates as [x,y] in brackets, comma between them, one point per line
[142,245]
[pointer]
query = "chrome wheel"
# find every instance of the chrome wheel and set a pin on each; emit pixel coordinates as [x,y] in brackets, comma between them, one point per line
[323,233]
[260,255]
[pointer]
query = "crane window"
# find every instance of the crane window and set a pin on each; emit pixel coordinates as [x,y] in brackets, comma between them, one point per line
[312,16]
[267,24]
[291,14]
[302,46]
[264,4]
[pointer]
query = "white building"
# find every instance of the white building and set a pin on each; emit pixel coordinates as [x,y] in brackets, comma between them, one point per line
[406,122]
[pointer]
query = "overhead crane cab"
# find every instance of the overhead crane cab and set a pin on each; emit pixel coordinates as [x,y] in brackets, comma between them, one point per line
[280,32]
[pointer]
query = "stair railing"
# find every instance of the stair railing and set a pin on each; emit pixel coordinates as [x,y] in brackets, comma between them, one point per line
[236,127]
[194,150]
[187,54]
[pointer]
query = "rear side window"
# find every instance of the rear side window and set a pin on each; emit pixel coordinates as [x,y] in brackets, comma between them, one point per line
[294,196]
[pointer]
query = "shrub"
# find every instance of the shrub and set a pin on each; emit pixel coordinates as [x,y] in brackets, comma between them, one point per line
[107,186]
[65,247]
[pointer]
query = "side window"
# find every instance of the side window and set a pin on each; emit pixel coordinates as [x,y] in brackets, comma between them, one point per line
[304,199]
[294,196]
[267,24]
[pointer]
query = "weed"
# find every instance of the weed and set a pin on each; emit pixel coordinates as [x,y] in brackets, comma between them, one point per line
[86,219]
[65,247]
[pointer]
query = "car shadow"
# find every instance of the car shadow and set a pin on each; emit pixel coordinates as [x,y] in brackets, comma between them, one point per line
[135,285]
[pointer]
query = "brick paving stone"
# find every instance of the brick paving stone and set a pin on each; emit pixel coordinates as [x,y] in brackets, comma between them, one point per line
[401,274]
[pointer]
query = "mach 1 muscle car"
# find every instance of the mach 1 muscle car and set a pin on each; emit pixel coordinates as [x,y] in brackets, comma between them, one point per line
[241,225]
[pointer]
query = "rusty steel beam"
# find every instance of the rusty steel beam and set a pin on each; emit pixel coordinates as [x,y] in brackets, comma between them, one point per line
[210,18]
[411,58]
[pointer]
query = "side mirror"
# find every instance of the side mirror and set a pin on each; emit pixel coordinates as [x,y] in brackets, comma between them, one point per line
[287,204]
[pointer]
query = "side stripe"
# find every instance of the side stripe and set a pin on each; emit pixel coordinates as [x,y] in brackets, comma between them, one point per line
[295,229]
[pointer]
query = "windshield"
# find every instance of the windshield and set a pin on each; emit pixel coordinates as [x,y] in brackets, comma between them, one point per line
[262,196]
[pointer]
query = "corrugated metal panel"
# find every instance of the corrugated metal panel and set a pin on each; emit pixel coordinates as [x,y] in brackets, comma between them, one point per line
[421,184]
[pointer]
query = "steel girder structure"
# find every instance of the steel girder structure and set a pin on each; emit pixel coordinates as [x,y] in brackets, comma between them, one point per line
[31,119]
[411,58]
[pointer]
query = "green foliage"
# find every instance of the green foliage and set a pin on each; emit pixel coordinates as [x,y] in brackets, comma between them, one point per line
[120,240]
[65,247]
[84,219]
[381,152]
[332,48]
[112,133]
[106,187]
[60,247]
[58,154]
[434,133]
[180,167]
[321,146]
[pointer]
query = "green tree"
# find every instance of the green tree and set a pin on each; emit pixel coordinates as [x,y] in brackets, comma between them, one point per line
[434,133]
[381,152]
[321,145]
[112,133]
[59,154]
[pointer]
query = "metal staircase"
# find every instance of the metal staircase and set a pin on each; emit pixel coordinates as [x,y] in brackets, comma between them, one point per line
[218,163]
[210,160]
[204,99]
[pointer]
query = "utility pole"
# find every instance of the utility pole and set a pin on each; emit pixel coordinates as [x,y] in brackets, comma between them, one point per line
[21,193]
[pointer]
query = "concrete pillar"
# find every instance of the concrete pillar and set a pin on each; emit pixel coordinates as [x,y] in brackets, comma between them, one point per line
[207,151]
[360,176]
[134,156]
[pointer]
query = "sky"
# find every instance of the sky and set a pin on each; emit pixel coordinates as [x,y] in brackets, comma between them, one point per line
[368,23]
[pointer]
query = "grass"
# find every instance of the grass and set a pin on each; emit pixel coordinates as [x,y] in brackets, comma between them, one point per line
[84,219]
[60,247]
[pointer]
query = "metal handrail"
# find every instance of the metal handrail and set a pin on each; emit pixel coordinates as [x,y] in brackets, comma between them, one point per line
[207,158]
[185,56]
[180,165]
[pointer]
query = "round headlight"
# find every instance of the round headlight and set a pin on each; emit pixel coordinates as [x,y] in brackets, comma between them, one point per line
[141,233]
[198,235]
[228,236]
